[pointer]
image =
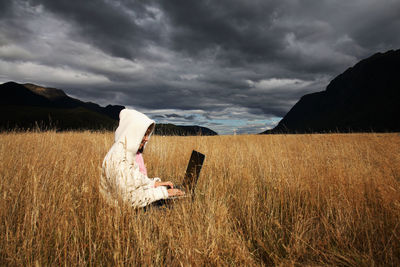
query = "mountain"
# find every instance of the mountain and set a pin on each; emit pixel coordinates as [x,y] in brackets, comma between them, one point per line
[171,129]
[29,106]
[365,98]
[49,93]
[34,95]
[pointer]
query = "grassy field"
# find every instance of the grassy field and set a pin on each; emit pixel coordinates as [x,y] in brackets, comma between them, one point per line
[261,200]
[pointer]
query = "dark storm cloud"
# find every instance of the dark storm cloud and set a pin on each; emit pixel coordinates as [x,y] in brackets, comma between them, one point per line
[5,7]
[240,32]
[156,117]
[231,26]
[193,61]
[190,117]
[104,24]
[173,116]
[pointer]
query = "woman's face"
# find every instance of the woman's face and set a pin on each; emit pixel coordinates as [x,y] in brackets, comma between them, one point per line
[145,138]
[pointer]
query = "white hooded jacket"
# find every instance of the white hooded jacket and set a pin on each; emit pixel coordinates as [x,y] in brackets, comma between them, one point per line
[121,177]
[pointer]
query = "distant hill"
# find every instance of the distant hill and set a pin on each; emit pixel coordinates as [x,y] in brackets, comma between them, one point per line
[33,95]
[29,106]
[171,129]
[49,93]
[14,117]
[365,98]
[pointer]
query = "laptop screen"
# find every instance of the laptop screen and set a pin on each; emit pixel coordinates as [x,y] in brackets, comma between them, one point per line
[193,171]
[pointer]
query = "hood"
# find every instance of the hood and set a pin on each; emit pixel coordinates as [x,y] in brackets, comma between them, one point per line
[132,128]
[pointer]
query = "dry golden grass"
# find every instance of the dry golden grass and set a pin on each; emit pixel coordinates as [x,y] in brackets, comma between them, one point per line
[261,200]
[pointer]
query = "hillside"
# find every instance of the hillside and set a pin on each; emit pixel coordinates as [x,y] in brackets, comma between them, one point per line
[29,106]
[34,95]
[15,117]
[365,98]
[171,129]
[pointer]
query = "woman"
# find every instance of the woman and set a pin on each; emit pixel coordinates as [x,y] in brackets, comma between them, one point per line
[124,175]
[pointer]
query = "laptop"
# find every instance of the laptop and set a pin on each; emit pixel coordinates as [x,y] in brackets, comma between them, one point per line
[192,174]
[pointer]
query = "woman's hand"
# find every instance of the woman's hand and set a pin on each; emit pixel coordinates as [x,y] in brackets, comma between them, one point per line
[175,192]
[167,184]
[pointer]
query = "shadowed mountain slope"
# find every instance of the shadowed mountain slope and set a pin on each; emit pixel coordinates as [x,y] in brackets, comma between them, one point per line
[365,98]
[29,106]
[171,129]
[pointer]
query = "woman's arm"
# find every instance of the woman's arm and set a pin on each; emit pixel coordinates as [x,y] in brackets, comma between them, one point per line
[167,184]
[132,185]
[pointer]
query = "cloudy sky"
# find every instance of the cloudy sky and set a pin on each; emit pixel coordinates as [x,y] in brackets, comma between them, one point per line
[227,64]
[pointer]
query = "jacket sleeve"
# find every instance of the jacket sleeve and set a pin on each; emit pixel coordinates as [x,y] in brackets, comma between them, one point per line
[135,187]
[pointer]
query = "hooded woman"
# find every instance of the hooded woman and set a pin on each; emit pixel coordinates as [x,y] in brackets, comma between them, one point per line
[124,174]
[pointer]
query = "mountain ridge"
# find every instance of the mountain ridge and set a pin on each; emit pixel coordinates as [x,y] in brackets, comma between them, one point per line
[364,98]
[30,106]
[50,93]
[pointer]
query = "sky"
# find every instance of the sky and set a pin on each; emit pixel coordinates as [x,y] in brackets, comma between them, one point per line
[229,65]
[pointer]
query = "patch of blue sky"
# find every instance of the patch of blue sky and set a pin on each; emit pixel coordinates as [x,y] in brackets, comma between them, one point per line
[223,126]
[231,126]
